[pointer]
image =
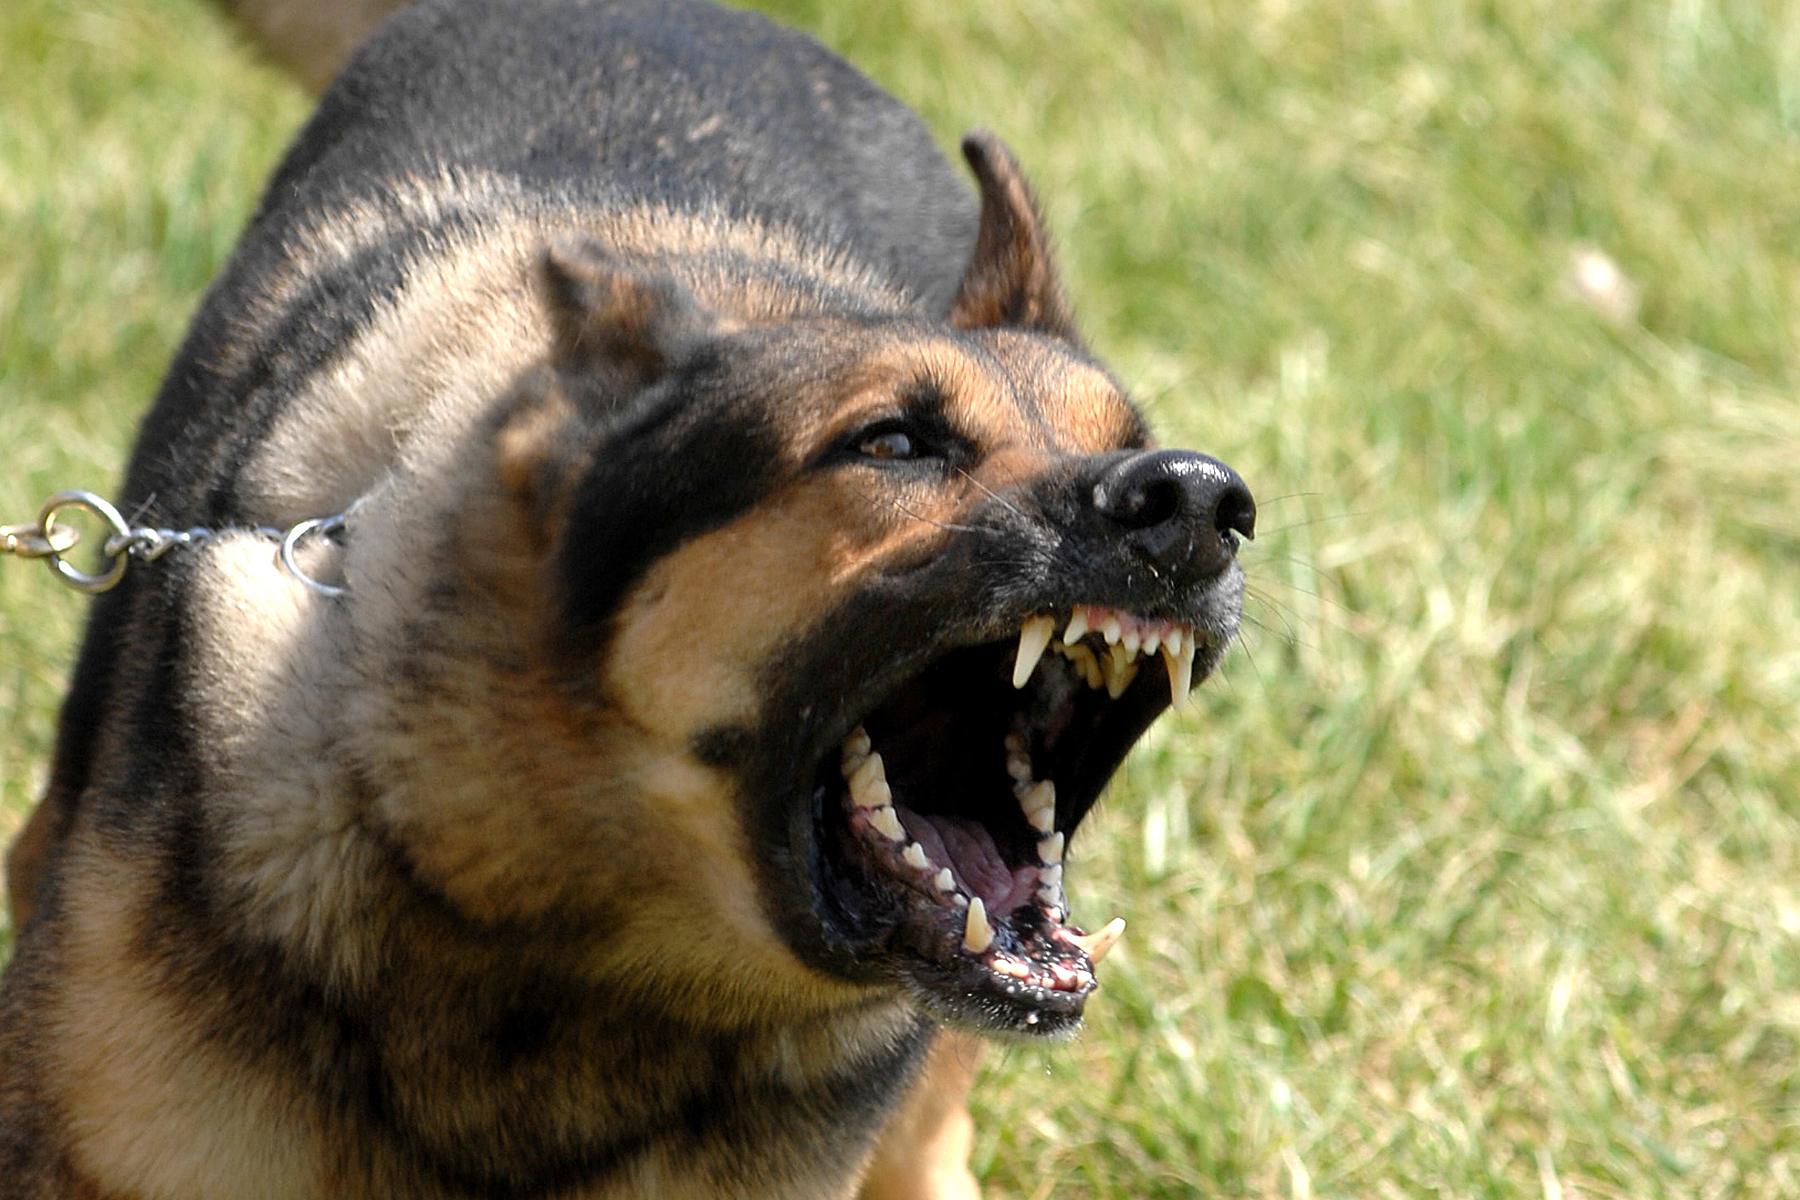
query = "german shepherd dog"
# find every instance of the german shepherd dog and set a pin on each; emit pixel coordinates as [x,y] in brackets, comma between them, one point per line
[747,582]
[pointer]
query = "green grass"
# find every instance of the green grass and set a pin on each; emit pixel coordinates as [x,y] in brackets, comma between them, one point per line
[1478,872]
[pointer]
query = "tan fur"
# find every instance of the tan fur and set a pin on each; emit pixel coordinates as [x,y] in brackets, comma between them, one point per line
[924,1155]
[354,749]
[154,1111]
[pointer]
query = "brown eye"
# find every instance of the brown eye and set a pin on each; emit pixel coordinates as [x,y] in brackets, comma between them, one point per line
[893,444]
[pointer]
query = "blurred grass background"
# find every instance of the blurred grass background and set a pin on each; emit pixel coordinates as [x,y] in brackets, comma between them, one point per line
[1478,871]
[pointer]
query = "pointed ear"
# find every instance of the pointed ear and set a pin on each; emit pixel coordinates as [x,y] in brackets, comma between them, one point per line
[1011,281]
[540,442]
[616,319]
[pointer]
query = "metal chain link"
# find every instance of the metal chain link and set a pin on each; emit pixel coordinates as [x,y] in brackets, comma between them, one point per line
[49,541]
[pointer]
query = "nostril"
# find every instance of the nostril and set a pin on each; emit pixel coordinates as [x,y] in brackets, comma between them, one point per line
[1236,512]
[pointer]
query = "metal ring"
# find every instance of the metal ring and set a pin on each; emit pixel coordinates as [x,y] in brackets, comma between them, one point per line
[289,540]
[73,576]
[31,541]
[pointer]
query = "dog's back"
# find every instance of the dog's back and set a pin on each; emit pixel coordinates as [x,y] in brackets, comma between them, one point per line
[590,106]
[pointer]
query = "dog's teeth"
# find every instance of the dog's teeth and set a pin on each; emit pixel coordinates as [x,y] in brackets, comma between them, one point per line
[916,858]
[887,821]
[1039,804]
[1005,965]
[1181,673]
[1118,669]
[943,881]
[1051,876]
[1129,639]
[867,772]
[1050,849]
[978,935]
[1034,636]
[1097,945]
[1110,630]
[855,750]
[1172,640]
[1152,640]
[1018,765]
[869,785]
[1084,661]
[1078,625]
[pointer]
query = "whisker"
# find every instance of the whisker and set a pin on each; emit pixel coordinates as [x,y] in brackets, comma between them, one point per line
[995,496]
[945,525]
[1308,523]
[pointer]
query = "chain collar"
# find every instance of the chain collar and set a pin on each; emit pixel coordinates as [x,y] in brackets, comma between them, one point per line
[49,541]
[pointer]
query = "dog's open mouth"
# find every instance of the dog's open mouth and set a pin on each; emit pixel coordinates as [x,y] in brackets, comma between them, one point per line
[941,820]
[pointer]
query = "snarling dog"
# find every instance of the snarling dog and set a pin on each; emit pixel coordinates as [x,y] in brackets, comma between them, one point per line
[669,745]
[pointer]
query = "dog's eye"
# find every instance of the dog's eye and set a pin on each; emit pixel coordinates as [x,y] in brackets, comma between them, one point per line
[892,444]
[899,441]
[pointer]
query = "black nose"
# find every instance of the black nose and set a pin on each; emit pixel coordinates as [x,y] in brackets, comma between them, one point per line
[1183,510]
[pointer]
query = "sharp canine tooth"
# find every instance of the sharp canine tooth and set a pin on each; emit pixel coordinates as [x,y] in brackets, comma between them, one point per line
[1050,849]
[944,881]
[978,935]
[1098,945]
[888,822]
[915,857]
[1181,673]
[1078,625]
[1034,636]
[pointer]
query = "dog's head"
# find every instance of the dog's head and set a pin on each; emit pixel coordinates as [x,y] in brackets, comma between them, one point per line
[848,620]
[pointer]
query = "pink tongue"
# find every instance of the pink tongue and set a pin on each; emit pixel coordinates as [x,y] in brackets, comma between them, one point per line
[969,850]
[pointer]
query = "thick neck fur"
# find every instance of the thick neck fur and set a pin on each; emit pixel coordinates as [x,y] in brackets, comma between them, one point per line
[382,844]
